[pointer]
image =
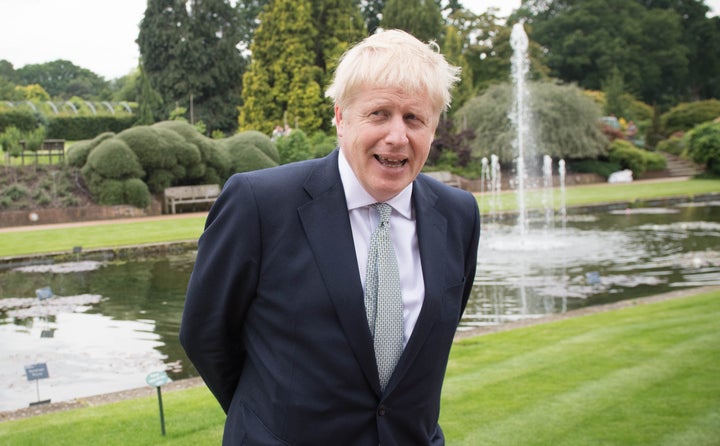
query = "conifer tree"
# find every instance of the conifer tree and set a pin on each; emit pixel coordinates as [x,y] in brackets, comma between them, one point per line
[189,53]
[294,53]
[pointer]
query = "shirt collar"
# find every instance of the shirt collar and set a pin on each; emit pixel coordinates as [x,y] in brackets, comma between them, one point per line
[357,197]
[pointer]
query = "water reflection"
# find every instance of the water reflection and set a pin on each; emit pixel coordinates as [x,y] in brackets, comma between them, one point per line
[593,259]
[114,322]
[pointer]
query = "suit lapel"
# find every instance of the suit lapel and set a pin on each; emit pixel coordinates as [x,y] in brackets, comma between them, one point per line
[327,226]
[431,230]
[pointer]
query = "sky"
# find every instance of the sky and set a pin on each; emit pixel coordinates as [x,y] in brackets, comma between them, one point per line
[100,34]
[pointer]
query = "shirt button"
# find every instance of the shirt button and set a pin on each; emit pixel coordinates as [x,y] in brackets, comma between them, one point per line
[381,411]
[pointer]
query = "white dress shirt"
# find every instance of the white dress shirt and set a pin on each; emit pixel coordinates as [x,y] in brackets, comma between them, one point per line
[364,219]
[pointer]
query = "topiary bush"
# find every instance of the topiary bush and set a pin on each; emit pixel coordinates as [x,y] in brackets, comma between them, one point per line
[213,161]
[638,160]
[77,153]
[136,193]
[674,145]
[703,146]
[244,150]
[260,141]
[114,159]
[685,116]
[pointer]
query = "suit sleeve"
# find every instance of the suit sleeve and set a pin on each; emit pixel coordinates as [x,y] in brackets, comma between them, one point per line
[471,253]
[221,289]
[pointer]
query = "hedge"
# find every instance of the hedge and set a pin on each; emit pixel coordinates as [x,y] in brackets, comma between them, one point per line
[75,128]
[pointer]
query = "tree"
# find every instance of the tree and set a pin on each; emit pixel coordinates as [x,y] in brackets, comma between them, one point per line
[421,18]
[294,54]
[149,100]
[189,52]
[162,31]
[453,51]
[62,78]
[282,84]
[654,44]
[701,38]
[214,65]
[565,120]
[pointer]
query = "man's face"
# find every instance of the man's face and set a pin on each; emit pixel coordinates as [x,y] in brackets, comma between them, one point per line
[385,135]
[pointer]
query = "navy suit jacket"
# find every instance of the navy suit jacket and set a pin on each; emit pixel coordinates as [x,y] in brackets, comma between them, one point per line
[274,317]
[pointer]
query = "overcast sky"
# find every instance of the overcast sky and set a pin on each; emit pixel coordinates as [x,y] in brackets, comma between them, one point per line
[100,34]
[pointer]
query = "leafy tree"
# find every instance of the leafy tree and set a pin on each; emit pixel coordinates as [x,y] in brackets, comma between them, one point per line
[33,92]
[566,123]
[701,38]
[421,18]
[7,70]
[62,78]
[213,63]
[190,54]
[453,51]
[658,45]
[487,49]
[615,100]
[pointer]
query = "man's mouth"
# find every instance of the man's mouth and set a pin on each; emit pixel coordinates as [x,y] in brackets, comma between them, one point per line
[388,162]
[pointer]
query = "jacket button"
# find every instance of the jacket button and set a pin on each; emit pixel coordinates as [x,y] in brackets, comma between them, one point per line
[381,411]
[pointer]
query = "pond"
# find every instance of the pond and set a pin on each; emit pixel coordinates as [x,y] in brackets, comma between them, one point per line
[111,323]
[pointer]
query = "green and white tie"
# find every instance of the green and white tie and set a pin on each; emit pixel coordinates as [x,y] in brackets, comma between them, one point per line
[383,297]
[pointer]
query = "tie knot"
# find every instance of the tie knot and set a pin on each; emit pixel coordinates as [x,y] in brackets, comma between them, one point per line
[384,210]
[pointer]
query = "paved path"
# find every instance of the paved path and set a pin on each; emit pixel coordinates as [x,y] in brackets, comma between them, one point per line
[102,222]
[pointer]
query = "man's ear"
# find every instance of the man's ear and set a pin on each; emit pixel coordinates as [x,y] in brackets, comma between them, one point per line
[339,124]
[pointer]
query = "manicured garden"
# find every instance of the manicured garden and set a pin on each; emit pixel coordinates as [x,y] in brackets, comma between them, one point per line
[182,227]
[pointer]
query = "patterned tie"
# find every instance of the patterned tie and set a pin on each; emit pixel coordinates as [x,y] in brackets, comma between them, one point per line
[383,298]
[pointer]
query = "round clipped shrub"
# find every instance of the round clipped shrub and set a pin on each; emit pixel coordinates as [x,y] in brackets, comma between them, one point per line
[114,159]
[638,160]
[674,145]
[245,157]
[703,143]
[152,152]
[159,180]
[685,116]
[109,192]
[258,140]
[136,193]
[77,153]
[208,149]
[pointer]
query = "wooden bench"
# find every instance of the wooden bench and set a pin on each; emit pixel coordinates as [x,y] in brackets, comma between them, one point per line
[50,148]
[180,195]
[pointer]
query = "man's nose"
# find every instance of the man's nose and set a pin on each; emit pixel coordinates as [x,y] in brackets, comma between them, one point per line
[397,131]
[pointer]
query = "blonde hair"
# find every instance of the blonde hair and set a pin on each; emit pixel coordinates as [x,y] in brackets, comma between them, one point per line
[394,59]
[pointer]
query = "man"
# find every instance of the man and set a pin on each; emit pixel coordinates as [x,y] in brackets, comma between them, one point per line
[277,321]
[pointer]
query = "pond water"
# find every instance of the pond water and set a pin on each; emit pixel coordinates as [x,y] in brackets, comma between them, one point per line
[110,323]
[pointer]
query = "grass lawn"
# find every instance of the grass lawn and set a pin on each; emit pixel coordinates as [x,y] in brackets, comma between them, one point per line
[105,235]
[608,193]
[183,228]
[642,375]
